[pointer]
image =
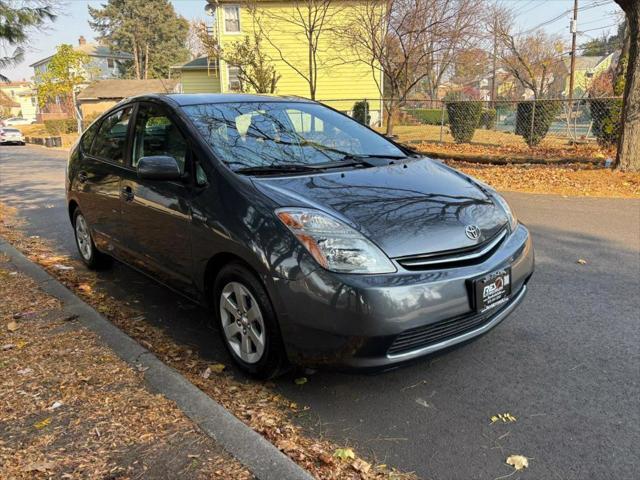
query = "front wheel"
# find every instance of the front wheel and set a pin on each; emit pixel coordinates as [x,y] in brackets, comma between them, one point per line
[89,254]
[247,322]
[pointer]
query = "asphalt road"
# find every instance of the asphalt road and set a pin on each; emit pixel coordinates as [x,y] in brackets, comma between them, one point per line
[566,363]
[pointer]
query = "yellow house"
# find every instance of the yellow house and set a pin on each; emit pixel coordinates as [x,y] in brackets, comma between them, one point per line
[587,68]
[341,80]
[24,97]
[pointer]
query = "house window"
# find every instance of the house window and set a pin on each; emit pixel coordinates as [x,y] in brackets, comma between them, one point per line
[231,19]
[111,63]
[33,101]
[233,75]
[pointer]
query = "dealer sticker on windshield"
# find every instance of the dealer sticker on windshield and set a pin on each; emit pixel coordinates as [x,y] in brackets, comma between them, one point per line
[492,290]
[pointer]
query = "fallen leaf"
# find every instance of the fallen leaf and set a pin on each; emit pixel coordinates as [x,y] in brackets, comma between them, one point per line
[518,462]
[422,402]
[40,467]
[55,405]
[12,326]
[344,454]
[7,346]
[217,367]
[301,380]
[360,465]
[503,417]
[42,423]
[582,261]
[59,266]
[206,374]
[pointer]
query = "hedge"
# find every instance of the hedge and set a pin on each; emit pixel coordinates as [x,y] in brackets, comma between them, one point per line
[429,116]
[58,127]
[487,119]
[463,119]
[606,114]
[361,112]
[545,113]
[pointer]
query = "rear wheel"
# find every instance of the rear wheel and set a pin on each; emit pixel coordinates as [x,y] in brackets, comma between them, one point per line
[247,322]
[90,255]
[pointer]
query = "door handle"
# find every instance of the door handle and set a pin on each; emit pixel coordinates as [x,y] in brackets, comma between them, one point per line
[127,194]
[83,177]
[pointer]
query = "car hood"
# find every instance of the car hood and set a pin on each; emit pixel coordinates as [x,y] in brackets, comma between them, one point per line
[407,208]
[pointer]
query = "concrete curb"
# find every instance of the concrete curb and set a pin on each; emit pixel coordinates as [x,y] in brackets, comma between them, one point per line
[261,457]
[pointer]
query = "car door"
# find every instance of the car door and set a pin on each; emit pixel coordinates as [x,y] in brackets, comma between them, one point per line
[104,157]
[156,214]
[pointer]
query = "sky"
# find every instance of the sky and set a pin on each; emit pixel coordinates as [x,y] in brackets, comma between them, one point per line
[595,18]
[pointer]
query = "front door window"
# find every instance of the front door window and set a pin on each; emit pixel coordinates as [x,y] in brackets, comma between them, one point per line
[157,134]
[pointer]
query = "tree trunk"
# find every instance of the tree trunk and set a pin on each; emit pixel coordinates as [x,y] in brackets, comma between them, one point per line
[389,119]
[628,157]
[136,59]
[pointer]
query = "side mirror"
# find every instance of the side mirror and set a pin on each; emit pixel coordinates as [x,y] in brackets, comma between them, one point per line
[159,167]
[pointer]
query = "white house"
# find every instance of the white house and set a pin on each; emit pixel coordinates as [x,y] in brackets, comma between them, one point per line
[103,64]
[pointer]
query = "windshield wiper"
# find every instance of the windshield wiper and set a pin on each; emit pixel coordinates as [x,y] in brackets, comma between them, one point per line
[280,168]
[300,167]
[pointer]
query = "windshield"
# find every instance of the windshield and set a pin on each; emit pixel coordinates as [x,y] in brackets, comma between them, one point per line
[266,134]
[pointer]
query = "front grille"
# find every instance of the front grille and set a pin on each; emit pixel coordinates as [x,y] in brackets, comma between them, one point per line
[454,258]
[426,335]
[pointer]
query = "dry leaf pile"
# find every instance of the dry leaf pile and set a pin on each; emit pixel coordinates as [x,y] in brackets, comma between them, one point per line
[252,402]
[574,179]
[69,408]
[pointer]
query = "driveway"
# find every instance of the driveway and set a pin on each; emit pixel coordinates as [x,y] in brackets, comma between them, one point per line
[566,364]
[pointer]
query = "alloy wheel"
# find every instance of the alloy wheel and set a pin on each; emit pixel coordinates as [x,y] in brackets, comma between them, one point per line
[242,322]
[83,238]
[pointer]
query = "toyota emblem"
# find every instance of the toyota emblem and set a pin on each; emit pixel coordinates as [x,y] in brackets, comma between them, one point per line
[472,231]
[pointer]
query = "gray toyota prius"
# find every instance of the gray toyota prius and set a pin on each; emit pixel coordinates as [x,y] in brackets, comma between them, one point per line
[314,239]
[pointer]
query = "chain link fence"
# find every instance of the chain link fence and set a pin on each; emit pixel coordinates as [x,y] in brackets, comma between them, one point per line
[555,129]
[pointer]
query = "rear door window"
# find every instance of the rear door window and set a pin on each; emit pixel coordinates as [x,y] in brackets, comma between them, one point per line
[88,136]
[111,140]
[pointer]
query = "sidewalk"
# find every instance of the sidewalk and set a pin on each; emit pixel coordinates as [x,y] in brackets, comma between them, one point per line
[72,409]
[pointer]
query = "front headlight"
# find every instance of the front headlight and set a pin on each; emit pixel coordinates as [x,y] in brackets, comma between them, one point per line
[333,244]
[513,221]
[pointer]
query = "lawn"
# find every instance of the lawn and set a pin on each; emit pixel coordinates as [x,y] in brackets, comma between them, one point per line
[491,146]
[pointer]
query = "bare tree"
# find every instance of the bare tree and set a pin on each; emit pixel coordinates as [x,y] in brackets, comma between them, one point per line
[532,58]
[194,43]
[392,38]
[460,29]
[628,157]
[255,70]
[311,22]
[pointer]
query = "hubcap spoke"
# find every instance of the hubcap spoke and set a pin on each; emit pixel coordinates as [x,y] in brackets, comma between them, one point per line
[229,306]
[231,330]
[256,339]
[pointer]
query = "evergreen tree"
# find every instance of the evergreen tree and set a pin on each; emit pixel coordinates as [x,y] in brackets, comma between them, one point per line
[15,22]
[150,30]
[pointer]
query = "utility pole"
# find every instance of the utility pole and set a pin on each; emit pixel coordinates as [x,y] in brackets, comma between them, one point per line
[574,33]
[495,53]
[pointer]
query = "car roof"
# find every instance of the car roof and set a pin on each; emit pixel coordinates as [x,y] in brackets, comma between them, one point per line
[185,99]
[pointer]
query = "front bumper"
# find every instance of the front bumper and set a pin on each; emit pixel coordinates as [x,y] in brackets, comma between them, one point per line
[353,320]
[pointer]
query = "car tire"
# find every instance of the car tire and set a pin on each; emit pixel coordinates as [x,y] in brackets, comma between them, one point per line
[253,322]
[89,254]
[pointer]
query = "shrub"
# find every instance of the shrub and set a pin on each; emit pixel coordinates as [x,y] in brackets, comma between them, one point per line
[361,112]
[545,113]
[61,126]
[463,119]
[606,114]
[428,116]
[487,119]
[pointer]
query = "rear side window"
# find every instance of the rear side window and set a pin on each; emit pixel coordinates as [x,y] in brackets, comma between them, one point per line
[111,139]
[88,136]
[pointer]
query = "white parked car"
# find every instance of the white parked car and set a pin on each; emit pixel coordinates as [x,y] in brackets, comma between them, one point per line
[11,135]
[9,122]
